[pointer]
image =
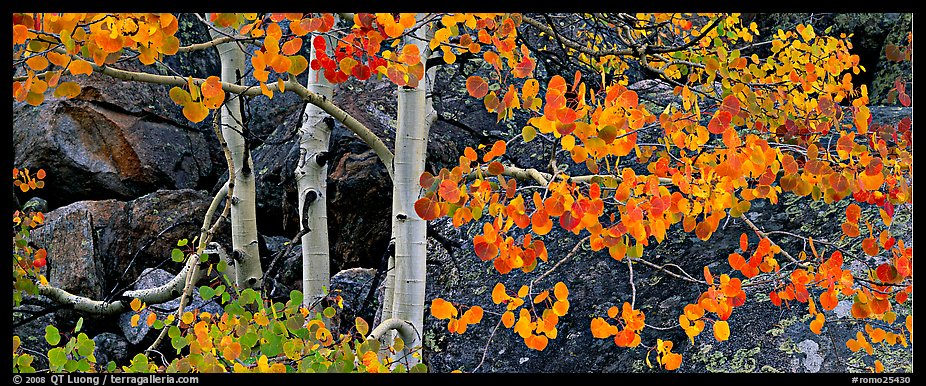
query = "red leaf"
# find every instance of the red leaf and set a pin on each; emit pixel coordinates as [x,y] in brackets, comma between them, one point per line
[719,123]
[477,86]
[568,221]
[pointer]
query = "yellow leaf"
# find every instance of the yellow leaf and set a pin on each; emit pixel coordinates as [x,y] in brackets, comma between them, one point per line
[67,90]
[187,317]
[721,330]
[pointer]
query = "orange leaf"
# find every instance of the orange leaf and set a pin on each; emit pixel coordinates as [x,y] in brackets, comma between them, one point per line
[828,300]
[498,293]
[736,261]
[850,229]
[291,47]
[37,63]
[719,122]
[442,309]
[449,191]
[536,342]
[20,34]
[477,86]
[731,104]
[817,324]
[561,291]
[495,168]
[232,351]
[560,307]
[541,222]
[484,249]
[472,315]
[212,88]
[672,361]
[870,246]
[543,296]
[427,209]
[195,112]
[703,230]
[508,319]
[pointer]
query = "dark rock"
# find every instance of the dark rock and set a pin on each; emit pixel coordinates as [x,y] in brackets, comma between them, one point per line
[284,271]
[353,286]
[97,146]
[110,347]
[99,248]
[32,333]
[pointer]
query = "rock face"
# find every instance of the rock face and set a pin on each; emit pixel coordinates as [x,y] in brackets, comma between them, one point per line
[95,247]
[95,150]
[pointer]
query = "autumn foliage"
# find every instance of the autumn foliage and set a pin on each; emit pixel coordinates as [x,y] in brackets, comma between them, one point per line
[741,128]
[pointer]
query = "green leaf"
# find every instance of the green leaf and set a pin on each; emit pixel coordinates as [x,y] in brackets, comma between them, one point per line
[273,346]
[80,323]
[85,345]
[398,344]
[158,324]
[83,365]
[70,366]
[221,266]
[247,296]
[173,331]
[419,368]
[206,292]
[400,368]
[176,255]
[24,361]
[295,322]
[177,342]
[111,366]
[140,363]
[57,358]
[249,339]
[182,242]
[52,336]
[295,297]
[226,297]
[328,312]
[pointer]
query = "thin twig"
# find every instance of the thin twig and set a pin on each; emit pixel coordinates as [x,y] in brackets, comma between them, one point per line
[662,268]
[486,350]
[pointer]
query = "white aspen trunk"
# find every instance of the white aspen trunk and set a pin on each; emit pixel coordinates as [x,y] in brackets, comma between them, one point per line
[243,211]
[311,181]
[410,231]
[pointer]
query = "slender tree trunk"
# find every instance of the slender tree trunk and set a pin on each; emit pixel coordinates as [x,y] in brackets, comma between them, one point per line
[243,210]
[410,230]
[311,181]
